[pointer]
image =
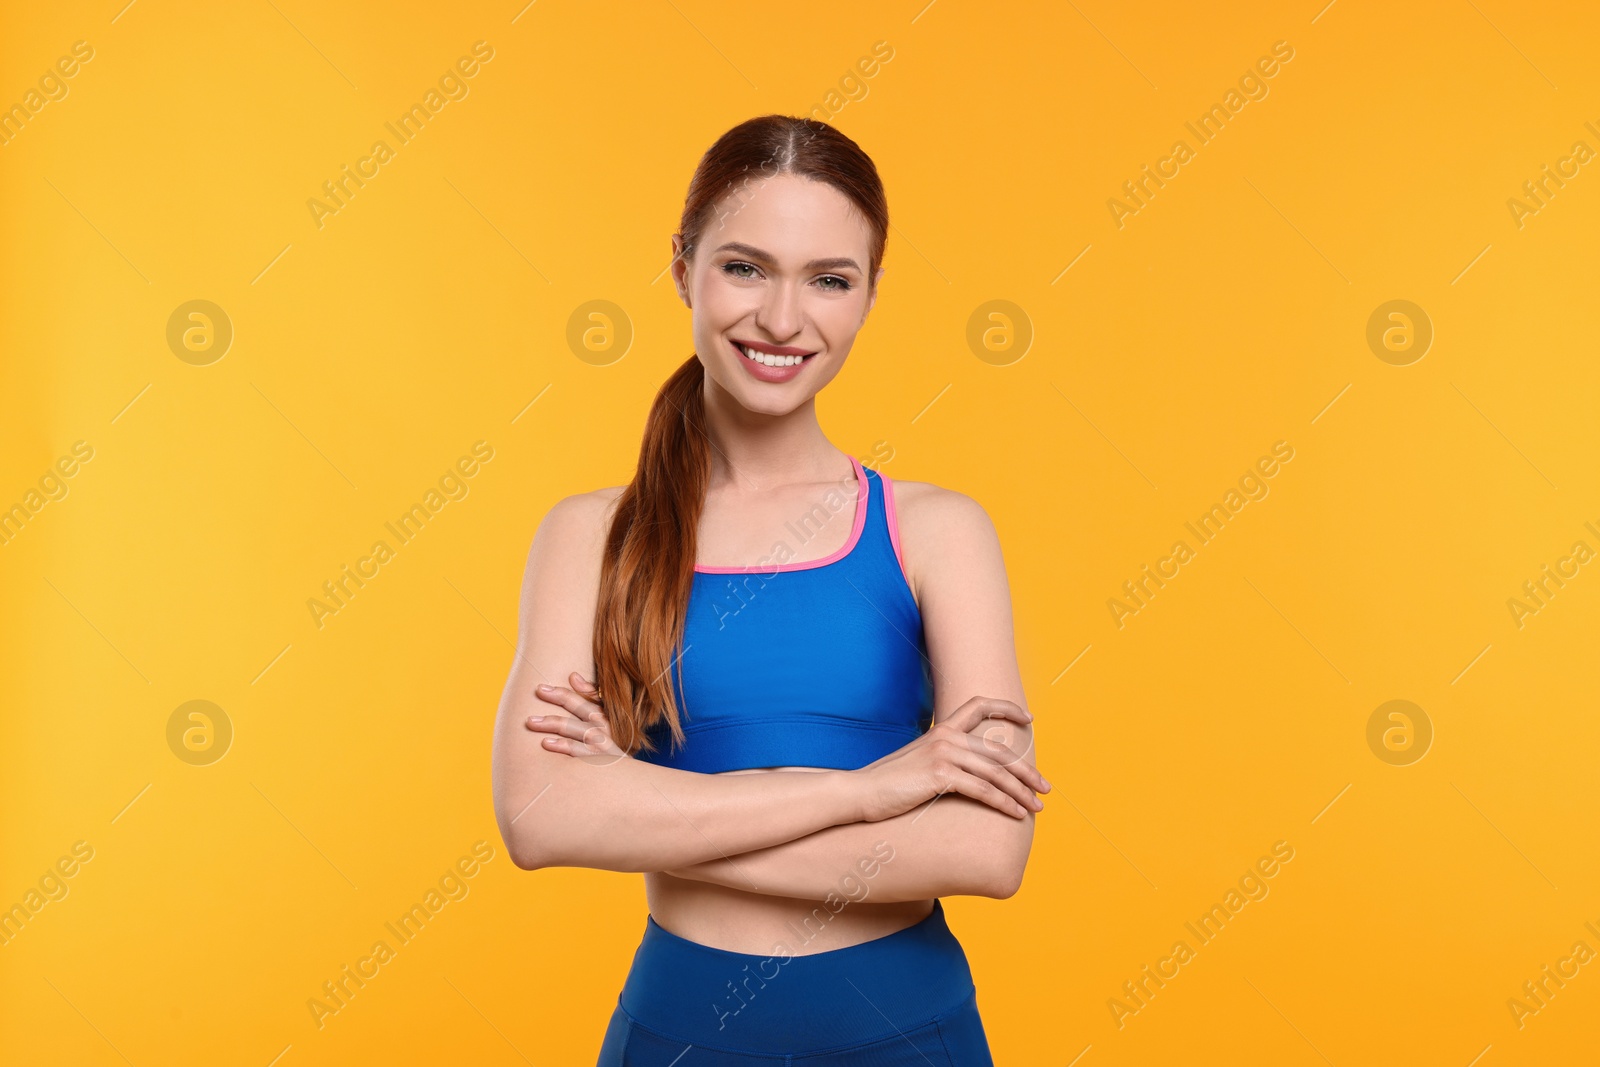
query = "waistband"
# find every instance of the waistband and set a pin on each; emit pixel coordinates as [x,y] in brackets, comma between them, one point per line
[782,1003]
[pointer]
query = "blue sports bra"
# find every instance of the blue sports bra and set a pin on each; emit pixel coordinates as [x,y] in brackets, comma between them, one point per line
[821,663]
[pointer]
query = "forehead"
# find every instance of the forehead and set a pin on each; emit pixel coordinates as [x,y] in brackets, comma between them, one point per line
[792,218]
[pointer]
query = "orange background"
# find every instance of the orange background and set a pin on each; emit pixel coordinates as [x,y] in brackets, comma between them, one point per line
[1166,355]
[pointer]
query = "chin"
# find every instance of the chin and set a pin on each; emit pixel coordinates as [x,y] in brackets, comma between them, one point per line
[770,404]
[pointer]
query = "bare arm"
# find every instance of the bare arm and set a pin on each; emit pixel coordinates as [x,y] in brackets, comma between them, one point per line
[621,814]
[952,845]
[944,848]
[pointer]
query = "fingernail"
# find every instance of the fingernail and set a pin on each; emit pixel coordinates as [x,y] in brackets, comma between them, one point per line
[536,718]
[546,688]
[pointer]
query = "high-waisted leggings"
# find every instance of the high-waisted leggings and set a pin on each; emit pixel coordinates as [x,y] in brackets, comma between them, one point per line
[903,1000]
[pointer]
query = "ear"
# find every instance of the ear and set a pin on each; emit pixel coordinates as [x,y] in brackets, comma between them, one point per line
[877,282]
[680,270]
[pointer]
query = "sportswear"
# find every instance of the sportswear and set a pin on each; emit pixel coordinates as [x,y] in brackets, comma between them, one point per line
[902,1000]
[820,663]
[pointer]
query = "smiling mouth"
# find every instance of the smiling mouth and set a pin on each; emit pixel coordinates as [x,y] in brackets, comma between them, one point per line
[770,359]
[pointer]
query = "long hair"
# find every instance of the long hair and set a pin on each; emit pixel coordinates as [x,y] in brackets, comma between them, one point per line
[647,570]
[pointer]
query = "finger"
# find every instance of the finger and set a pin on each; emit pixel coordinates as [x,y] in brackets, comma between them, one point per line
[978,709]
[982,791]
[1030,775]
[587,688]
[597,738]
[564,725]
[600,755]
[993,742]
[1000,777]
[573,747]
[592,713]
[982,779]
[566,698]
[1008,709]
[1018,793]
[588,739]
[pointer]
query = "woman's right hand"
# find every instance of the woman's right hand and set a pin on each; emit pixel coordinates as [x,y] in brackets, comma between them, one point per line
[951,758]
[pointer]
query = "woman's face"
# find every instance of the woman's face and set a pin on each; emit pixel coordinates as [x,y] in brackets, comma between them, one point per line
[780,268]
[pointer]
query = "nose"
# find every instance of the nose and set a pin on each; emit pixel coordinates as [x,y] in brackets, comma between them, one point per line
[780,313]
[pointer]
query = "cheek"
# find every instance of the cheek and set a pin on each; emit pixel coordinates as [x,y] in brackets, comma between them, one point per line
[839,319]
[719,306]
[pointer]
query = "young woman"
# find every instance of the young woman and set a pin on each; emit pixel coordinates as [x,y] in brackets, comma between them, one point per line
[806,722]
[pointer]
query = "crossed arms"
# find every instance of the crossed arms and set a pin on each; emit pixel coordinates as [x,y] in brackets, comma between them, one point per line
[785,833]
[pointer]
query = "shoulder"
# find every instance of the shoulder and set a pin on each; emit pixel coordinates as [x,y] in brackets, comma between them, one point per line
[940,530]
[573,532]
[572,514]
[561,584]
[935,514]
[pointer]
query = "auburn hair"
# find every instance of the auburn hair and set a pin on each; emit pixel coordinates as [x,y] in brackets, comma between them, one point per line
[647,569]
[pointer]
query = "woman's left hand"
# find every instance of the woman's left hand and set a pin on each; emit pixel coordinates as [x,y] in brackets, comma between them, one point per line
[586,732]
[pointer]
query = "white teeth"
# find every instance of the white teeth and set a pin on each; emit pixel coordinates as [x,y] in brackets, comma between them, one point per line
[767,359]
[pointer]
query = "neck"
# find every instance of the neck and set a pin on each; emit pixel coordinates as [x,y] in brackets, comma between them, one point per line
[755,451]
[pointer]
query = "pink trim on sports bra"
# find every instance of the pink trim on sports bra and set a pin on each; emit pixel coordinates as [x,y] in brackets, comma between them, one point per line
[862,494]
[894,523]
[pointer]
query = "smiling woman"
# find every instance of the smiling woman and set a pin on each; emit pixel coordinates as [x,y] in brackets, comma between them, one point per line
[750,762]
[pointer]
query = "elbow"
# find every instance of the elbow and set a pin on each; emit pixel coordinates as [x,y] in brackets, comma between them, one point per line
[534,837]
[531,855]
[525,860]
[1006,860]
[528,848]
[1003,881]
[523,856]
[534,845]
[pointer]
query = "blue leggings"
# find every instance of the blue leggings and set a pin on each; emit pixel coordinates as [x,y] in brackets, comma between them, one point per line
[903,1000]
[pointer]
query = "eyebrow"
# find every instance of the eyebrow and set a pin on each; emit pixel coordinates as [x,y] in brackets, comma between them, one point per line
[816,264]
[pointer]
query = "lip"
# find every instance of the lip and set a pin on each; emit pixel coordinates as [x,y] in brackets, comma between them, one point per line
[763,373]
[772,350]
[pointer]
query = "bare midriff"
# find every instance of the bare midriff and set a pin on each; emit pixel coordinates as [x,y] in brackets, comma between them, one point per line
[737,920]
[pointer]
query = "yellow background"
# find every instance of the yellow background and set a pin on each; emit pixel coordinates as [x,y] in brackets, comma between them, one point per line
[1228,314]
